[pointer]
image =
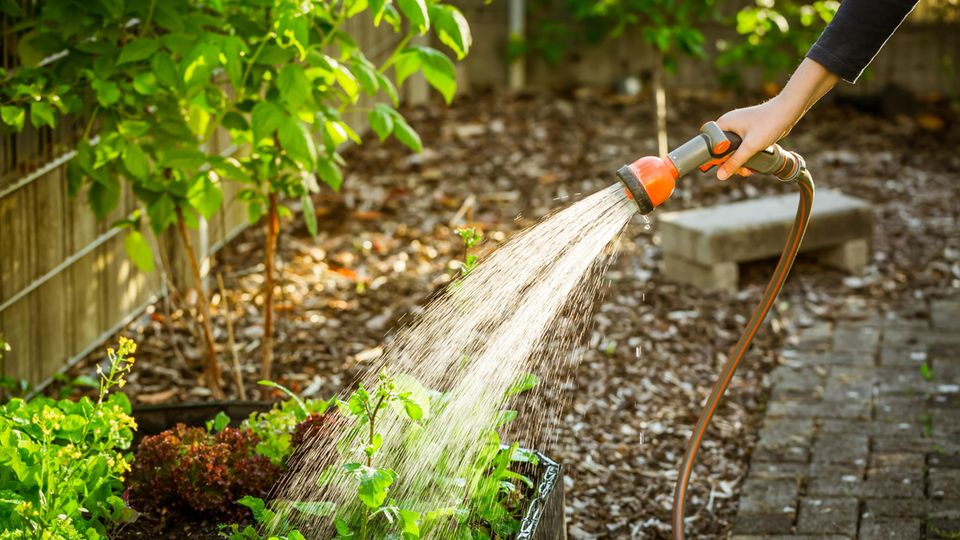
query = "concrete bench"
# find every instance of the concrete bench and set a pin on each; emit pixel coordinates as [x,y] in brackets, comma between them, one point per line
[704,246]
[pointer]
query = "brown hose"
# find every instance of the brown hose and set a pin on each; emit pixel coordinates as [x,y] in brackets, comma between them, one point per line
[805,181]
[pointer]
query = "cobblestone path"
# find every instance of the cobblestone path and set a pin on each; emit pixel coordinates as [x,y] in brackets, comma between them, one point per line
[861,435]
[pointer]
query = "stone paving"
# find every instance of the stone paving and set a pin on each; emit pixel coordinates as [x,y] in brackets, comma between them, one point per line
[861,435]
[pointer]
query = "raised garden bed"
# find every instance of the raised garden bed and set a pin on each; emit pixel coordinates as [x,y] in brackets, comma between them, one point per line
[542,520]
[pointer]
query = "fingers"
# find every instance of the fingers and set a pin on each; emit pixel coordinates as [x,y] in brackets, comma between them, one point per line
[743,171]
[734,162]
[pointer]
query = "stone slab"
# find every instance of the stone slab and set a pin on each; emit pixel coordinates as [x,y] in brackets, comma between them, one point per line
[756,229]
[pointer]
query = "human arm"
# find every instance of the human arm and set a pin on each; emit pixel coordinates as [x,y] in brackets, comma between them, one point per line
[857,32]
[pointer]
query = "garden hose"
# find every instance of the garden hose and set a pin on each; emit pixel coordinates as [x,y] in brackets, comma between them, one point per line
[650,180]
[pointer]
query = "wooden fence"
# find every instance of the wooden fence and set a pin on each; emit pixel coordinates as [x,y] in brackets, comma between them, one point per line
[66,283]
[923,56]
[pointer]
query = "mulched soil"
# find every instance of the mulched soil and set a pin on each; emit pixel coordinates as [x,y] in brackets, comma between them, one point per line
[502,162]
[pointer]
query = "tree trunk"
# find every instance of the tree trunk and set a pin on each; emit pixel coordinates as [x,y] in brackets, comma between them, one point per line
[660,96]
[273,230]
[212,371]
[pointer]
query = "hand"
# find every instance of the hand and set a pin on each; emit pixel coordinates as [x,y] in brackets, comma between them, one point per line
[759,127]
[762,125]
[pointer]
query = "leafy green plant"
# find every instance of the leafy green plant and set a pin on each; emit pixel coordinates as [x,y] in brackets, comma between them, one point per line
[471,237]
[63,462]
[775,33]
[157,81]
[278,428]
[264,518]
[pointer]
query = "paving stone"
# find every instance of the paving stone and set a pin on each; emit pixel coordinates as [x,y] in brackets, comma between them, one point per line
[911,356]
[899,408]
[945,314]
[904,332]
[909,382]
[752,524]
[767,469]
[784,439]
[835,358]
[845,383]
[875,507]
[828,515]
[789,537]
[897,467]
[855,337]
[947,529]
[948,338]
[841,448]
[819,409]
[796,381]
[944,461]
[944,354]
[769,496]
[895,443]
[944,483]
[890,529]
[832,480]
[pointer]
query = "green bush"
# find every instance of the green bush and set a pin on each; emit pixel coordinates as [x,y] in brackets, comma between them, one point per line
[63,462]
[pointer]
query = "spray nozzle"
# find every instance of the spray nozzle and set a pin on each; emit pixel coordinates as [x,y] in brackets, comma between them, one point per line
[650,180]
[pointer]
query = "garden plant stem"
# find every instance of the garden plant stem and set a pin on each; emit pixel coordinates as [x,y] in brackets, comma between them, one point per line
[273,230]
[213,368]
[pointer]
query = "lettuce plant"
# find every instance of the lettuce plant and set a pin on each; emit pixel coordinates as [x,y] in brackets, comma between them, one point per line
[199,471]
[63,462]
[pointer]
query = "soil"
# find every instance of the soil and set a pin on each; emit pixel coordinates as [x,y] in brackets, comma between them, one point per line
[500,163]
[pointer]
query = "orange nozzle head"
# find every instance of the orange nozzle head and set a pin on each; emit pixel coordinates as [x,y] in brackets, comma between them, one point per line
[649,181]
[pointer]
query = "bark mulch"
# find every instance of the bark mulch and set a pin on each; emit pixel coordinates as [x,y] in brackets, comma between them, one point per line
[500,162]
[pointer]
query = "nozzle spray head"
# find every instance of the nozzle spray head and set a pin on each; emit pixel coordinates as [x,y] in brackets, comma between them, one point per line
[649,181]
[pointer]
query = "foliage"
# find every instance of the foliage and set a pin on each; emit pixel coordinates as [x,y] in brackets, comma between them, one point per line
[776,34]
[63,461]
[263,517]
[277,427]
[471,237]
[669,26]
[314,426]
[159,80]
[199,470]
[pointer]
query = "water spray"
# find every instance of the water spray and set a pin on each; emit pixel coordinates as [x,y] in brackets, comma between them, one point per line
[650,181]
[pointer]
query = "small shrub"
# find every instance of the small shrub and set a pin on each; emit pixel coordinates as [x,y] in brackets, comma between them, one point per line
[275,427]
[62,462]
[196,470]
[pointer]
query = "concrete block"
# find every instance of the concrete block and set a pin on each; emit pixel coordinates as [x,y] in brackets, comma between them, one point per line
[722,276]
[695,241]
[851,256]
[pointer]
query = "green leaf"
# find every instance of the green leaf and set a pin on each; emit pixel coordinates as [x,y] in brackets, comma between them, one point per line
[136,161]
[107,92]
[376,9]
[165,70]
[347,81]
[410,525]
[266,118]
[309,214]
[389,88]
[233,50]
[408,62]
[301,411]
[526,382]
[294,86]
[381,120]
[162,213]
[439,72]
[219,422]
[42,114]
[205,197]
[103,196]
[198,119]
[405,134]
[417,12]
[145,83]
[13,116]
[297,142]
[138,49]
[374,485]
[138,249]
[452,28]
[314,508]
[330,173]
[295,535]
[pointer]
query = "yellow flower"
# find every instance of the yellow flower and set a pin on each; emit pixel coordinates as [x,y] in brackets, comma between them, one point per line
[122,383]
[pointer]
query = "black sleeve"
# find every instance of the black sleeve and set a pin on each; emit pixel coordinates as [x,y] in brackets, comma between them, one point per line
[856,34]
